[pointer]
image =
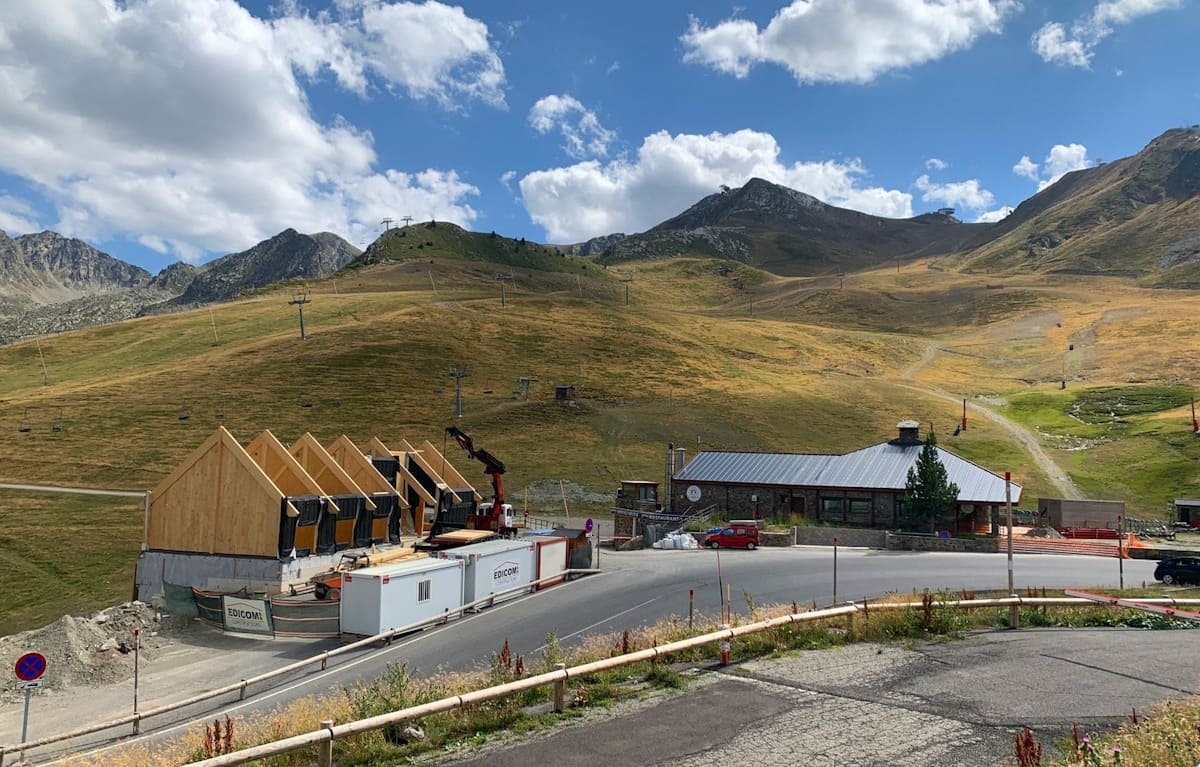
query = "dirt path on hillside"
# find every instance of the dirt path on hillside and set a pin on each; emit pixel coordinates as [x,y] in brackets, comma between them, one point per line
[1027,437]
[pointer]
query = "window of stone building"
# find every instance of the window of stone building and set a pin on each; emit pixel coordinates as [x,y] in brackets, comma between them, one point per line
[860,510]
[831,508]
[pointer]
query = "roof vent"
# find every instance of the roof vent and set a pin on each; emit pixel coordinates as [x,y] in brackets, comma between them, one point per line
[910,434]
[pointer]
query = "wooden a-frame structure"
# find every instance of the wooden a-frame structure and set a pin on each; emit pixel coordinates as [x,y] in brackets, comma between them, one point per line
[389,503]
[407,484]
[218,501]
[353,526]
[292,478]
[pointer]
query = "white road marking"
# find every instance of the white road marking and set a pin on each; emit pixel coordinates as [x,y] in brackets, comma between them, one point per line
[599,622]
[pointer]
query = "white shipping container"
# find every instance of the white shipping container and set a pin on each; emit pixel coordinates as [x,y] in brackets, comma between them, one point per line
[494,566]
[551,559]
[378,599]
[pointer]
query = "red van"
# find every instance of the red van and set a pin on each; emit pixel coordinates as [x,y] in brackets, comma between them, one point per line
[739,534]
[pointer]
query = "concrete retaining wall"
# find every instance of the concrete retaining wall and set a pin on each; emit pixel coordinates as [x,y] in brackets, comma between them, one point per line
[224,573]
[902,542]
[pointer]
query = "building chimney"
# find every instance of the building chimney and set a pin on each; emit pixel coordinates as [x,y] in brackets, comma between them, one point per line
[910,434]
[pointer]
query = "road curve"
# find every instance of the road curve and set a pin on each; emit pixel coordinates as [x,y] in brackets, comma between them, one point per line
[636,589]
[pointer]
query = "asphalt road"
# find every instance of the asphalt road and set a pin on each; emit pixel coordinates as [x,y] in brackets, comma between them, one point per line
[924,704]
[636,588]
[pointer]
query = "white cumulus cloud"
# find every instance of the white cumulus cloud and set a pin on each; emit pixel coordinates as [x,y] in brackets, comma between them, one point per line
[1026,167]
[933,163]
[183,124]
[17,216]
[426,50]
[992,216]
[845,40]
[1076,46]
[583,135]
[958,194]
[1061,160]
[671,172]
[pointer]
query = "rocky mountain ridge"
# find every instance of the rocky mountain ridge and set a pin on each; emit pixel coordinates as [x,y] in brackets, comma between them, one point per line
[787,232]
[50,283]
[1138,216]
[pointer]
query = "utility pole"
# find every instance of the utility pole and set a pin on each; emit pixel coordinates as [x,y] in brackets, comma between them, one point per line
[387,223]
[502,278]
[458,374]
[299,299]
[1014,614]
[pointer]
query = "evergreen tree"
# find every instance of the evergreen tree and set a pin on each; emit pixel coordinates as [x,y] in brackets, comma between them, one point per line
[929,492]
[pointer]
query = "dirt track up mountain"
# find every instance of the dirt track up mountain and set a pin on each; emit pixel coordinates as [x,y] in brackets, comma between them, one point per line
[1027,437]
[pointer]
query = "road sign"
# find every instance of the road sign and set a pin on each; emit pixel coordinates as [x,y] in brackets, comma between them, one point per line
[30,666]
[31,685]
[587,526]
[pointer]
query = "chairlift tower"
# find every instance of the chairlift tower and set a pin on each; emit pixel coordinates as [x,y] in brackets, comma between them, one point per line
[387,223]
[406,219]
[299,299]
[458,374]
[502,278]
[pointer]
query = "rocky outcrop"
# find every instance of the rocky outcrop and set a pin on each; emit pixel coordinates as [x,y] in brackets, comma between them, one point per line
[47,268]
[288,255]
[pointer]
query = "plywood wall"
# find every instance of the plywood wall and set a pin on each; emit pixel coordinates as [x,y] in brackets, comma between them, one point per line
[322,467]
[217,501]
[359,468]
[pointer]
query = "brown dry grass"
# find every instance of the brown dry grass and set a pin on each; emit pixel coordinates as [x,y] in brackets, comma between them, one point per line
[815,370]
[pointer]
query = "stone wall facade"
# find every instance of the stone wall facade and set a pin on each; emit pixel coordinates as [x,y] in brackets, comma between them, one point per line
[868,508]
[901,542]
[846,536]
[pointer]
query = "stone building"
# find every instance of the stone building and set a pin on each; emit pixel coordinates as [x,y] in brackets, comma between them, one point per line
[864,487]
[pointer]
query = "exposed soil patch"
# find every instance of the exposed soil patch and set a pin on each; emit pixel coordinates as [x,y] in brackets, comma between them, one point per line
[93,650]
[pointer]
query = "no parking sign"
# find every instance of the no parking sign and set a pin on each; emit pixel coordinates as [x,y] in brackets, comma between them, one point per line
[30,666]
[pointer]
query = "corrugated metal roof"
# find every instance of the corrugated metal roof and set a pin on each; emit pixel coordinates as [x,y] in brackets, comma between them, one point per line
[879,467]
[754,468]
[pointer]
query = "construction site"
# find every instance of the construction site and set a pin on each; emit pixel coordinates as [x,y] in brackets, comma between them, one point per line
[312,540]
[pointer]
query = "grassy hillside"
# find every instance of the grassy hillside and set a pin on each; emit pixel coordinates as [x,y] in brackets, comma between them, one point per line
[1137,216]
[816,365]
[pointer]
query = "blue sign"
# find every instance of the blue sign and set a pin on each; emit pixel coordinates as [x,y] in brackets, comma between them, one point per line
[588,525]
[30,666]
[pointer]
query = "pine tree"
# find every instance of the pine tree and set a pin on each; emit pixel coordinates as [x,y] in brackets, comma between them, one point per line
[929,492]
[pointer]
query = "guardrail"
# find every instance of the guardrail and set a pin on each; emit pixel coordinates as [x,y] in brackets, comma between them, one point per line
[136,719]
[330,732]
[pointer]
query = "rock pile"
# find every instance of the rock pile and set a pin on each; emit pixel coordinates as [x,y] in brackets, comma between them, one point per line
[93,650]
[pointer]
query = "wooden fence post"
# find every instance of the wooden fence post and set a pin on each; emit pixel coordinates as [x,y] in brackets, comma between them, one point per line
[325,750]
[560,689]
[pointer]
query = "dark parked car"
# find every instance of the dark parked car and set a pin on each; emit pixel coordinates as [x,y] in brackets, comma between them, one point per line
[1178,570]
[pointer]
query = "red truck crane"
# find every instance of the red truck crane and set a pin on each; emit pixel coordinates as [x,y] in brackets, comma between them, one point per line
[498,515]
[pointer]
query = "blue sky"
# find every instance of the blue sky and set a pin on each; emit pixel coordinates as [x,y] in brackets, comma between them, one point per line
[162,130]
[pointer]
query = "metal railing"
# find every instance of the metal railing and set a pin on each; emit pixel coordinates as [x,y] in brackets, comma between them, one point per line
[329,732]
[136,719]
